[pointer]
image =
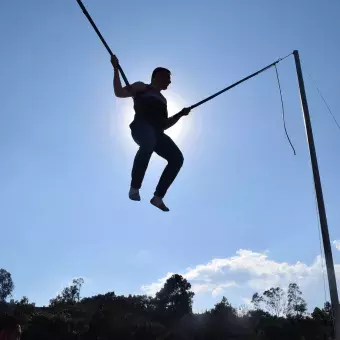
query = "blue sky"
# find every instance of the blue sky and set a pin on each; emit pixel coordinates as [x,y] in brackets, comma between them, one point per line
[243,214]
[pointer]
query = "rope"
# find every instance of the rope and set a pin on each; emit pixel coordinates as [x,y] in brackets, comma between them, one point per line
[324,100]
[238,82]
[86,13]
[246,78]
[317,210]
[208,98]
[283,109]
[336,122]
[101,38]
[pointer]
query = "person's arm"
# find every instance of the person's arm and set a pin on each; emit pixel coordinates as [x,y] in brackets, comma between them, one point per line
[175,118]
[126,91]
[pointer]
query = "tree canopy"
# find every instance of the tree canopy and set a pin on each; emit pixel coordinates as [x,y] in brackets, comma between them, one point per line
[276,313]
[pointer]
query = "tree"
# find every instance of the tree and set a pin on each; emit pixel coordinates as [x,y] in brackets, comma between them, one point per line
[277,303]
[76,287]
[99,299]
[324,320]
[257,300]
[25,306]
[223,307]
[296,305]
[69,295]
[324,314]
[224,322]
[6,284]
[274,298]
[243,310]
[175,298]
[328,308]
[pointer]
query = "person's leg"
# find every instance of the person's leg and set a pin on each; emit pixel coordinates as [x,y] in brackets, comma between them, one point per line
[144,135]
[167,149]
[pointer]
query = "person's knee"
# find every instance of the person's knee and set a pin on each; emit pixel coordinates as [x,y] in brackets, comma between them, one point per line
[181,160]
[178,160]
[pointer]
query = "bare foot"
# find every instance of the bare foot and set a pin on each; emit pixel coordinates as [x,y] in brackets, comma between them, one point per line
[158,203]
[134,194]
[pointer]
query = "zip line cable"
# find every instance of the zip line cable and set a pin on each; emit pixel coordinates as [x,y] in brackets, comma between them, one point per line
[336,122]
[324,100]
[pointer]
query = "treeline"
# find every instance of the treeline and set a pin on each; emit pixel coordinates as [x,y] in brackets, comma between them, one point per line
[275,314]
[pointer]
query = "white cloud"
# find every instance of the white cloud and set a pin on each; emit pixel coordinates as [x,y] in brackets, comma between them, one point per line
[247,272]
[337,244]
[216,289]
[154,287]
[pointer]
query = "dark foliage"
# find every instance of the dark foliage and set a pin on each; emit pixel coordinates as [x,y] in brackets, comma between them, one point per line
[276,315]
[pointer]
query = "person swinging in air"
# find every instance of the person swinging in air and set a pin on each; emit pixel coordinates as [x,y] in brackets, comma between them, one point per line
[147,130]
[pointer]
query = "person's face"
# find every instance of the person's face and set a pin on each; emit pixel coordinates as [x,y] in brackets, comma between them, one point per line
[164,79]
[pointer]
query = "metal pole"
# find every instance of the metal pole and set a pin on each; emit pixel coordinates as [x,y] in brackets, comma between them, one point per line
[320,201]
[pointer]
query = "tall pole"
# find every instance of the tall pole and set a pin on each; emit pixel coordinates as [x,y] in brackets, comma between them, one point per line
[320,201]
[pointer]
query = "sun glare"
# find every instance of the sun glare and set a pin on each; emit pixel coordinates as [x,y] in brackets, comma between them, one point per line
[175,104]
[124,115]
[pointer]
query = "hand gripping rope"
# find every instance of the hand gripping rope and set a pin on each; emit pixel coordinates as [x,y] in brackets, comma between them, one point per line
[210,97]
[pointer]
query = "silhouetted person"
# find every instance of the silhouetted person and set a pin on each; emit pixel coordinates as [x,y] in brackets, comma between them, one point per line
[147,130]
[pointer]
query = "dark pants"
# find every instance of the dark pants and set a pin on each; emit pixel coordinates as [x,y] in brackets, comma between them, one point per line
[149,141]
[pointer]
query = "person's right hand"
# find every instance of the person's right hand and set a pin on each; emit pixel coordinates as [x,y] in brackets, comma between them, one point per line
[114,61]
[185,111]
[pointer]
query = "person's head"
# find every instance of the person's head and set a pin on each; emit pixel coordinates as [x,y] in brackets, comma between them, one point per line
[161,78]
[10,328]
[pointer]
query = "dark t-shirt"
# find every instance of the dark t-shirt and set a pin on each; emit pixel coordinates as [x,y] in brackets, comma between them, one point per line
[151,106]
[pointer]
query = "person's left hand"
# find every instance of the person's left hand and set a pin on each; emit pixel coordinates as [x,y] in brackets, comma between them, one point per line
[185,111]
[114,62]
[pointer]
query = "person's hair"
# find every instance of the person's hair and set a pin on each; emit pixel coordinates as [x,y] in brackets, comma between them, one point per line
[159,69]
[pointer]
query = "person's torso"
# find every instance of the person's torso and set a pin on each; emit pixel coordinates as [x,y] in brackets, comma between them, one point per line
[151,106]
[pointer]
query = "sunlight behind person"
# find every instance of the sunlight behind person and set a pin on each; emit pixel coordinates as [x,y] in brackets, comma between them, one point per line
[124,113]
